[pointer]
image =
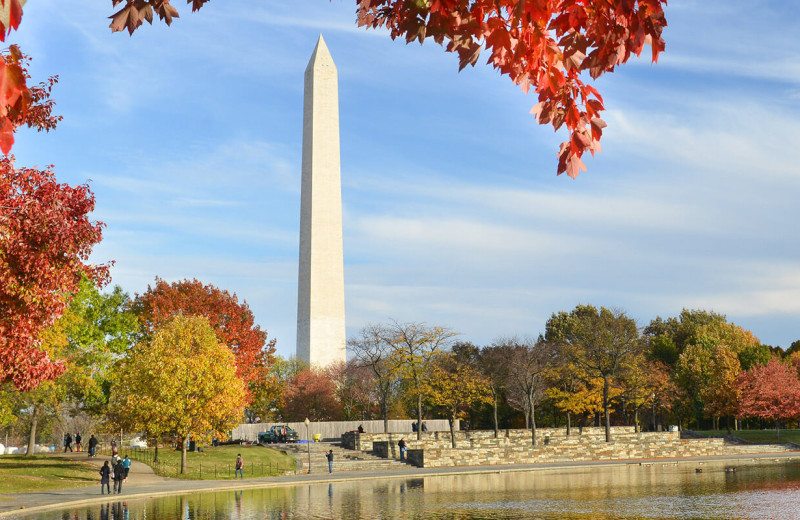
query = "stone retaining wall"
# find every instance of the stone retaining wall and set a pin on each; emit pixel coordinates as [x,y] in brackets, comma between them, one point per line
[441,439]
[514,447]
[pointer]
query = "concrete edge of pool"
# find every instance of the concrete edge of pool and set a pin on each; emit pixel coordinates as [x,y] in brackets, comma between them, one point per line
[27,503]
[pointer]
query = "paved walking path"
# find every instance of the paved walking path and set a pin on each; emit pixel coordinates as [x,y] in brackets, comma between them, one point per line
[143,483]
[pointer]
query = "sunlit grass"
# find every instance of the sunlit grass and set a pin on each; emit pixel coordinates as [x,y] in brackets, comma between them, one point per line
[20,473]
[758,436]
[217,462]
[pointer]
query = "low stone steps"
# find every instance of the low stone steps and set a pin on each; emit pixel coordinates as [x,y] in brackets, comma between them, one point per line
[343,459]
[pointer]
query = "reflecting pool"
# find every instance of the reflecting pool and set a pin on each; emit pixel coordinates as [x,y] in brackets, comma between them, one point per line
[762,490]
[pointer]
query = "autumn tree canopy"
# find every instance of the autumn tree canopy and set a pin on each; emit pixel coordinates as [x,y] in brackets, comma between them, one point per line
[553,47]
[599,341]
[770,391]
[46,237]
[180,381]
[233,321]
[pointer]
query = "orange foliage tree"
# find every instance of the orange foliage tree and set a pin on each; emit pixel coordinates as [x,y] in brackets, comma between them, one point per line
[310,394]
[232,321]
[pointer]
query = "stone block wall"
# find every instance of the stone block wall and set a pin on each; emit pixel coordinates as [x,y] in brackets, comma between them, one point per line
[514,447]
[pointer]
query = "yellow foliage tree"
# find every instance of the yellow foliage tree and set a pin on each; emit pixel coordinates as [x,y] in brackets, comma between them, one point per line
[454,386]
[181,382]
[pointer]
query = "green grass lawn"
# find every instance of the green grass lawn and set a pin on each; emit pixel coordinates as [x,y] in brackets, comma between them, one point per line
[21,474]
[758,436]
[217,462]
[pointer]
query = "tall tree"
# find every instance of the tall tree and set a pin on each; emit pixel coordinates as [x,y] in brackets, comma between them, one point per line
[453,385]
[414,347]
[599,341]
[549,46]
[233,322]
[181,381]
[528,364]
[355,390]
[46,237]
[568,386]
[373,350]
[94,331]
[310,394]
[770,391]
[493,364]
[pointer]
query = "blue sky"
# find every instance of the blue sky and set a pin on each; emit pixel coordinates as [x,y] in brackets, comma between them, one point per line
[190,137]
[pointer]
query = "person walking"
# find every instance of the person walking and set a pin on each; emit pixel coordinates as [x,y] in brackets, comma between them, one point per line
[113,447]
[77,441]
[126,467]
[67,442]
[402,445]
[329,456]
[92,445]
[105,476]
[239,466]
[119,476]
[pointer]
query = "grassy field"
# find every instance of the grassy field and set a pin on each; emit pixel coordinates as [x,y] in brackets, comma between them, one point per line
[758,436]
[217,462]
[21,474]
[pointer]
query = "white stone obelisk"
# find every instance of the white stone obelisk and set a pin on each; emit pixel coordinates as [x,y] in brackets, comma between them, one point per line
[320,287]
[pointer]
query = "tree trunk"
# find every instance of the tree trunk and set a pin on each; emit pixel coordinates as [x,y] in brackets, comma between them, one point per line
[452,421]
[624,410]
[778,428]
[419,416]
[155,453]
[636,419]
[606,411]
[385,418]
[184,449]
[496,429]
[32,434]
[533,423]
[569,424]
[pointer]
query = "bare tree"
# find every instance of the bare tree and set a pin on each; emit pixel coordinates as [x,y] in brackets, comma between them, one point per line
[493,363]
[372,351]
[528,363]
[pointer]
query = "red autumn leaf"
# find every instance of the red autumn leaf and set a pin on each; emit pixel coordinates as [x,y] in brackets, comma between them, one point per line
[521,36]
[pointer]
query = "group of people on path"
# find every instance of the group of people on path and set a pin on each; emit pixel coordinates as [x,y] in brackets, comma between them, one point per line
[68,442]
[116,471]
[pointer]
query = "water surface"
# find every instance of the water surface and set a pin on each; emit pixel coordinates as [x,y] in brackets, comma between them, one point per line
[763,490]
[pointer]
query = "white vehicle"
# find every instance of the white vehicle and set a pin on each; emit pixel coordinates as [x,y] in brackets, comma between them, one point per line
[138,442]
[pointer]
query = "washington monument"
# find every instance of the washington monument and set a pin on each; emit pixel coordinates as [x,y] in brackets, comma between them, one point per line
[320,285]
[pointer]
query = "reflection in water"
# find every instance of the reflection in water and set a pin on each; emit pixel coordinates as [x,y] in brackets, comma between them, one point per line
[761,490]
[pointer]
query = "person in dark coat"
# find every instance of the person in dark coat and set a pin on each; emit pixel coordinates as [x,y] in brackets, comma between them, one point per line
[92,445]
[67,442]
[119,476]
[329,456]
[105,476]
